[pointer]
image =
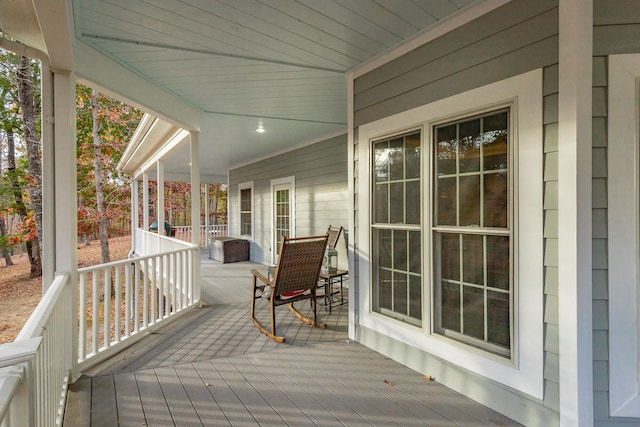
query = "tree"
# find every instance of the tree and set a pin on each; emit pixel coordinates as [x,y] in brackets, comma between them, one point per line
[103,232]
[19,86]
[28,79]
[104,126]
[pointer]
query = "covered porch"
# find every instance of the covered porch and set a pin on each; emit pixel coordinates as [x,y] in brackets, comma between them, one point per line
[213,367]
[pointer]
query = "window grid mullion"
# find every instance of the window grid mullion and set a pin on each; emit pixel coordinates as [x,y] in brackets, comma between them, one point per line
[458,175]
[461,282]
[485,276]
[481,168]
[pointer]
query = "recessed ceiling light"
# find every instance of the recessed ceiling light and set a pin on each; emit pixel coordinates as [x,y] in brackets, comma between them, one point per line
[261,128]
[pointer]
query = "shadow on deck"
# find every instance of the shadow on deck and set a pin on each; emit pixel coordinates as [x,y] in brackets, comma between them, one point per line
[212,367]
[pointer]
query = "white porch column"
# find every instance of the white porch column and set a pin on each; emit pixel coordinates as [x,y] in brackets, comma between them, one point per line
[160,206]
[195,211]
[135,197]
[195,188]
[574,215]
[64,203]
[48,174]
[206,214]
[145,201]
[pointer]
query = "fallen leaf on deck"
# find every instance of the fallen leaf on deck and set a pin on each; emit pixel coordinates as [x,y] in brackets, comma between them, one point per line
[389,382]
[429,378]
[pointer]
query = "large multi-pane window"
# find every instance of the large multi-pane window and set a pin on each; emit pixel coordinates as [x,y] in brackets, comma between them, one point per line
[396,232]
[472,242]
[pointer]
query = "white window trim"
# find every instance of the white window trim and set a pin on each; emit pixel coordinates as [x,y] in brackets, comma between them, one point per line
[623,234]
[524,92]
[279,181]
[244,186]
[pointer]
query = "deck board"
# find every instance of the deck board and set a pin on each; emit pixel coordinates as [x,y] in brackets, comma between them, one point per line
[202,400]
[212,367]
[128,400]
[103,401]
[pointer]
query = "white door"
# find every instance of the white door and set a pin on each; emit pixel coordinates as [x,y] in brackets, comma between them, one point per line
[282,216]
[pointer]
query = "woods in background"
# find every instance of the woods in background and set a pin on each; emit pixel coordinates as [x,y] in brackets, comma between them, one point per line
[104,127]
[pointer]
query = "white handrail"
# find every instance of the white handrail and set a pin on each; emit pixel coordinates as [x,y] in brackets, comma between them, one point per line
[183,232]
[35,368]
[121,299]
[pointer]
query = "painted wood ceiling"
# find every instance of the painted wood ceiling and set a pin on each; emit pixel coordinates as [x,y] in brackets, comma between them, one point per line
[282,59]
[225,67]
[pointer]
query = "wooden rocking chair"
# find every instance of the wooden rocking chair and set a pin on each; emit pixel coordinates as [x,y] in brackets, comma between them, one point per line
[295,279]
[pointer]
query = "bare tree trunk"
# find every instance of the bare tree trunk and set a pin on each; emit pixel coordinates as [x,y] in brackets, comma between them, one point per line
[27,104]
[214,206]
[3,233]
[21,207]
[103,231]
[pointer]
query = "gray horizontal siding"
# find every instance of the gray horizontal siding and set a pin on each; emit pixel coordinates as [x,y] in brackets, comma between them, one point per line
[518,37]
[551,313]
[320,172]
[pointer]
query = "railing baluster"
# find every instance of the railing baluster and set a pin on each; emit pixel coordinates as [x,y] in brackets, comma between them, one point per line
[94,314]
[107,308]
[117,304]
[161,294]
[154,290]
[145,293]
[174,281]
[82,313]
[127,299]
[136,303]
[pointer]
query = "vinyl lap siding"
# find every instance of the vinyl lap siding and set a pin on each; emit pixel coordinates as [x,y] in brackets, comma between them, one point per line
[320,172]
[516,38]
[551,340]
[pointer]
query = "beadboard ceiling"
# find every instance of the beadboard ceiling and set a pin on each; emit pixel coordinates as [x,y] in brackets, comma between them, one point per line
[240,63]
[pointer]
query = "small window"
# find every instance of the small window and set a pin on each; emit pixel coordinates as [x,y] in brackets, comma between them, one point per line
[246,209]
[471,231]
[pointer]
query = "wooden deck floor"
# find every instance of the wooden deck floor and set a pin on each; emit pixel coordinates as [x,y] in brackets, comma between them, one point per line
[213,368]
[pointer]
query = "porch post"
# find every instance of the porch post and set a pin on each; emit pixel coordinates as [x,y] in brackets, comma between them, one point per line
[145,210]
[135,187]
[160,206]
[65,203]
[195,211]
[48,174]
[354,285]
[206,214]
[145,201]
[195,188]
[574,213]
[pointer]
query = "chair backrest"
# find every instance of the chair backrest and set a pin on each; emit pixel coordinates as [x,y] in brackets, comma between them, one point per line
[299,264]
[334,235]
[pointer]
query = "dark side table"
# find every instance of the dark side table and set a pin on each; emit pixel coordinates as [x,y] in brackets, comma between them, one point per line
[328,279]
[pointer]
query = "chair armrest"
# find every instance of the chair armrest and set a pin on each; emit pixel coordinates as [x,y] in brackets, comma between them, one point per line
[264,279]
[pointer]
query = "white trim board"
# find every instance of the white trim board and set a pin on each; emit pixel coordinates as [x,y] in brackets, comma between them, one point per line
[525,371]
[623,233]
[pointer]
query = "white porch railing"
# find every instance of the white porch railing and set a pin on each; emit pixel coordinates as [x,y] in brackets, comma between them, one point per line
[116,302]
[217,230]
[123,298]
[35,368]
